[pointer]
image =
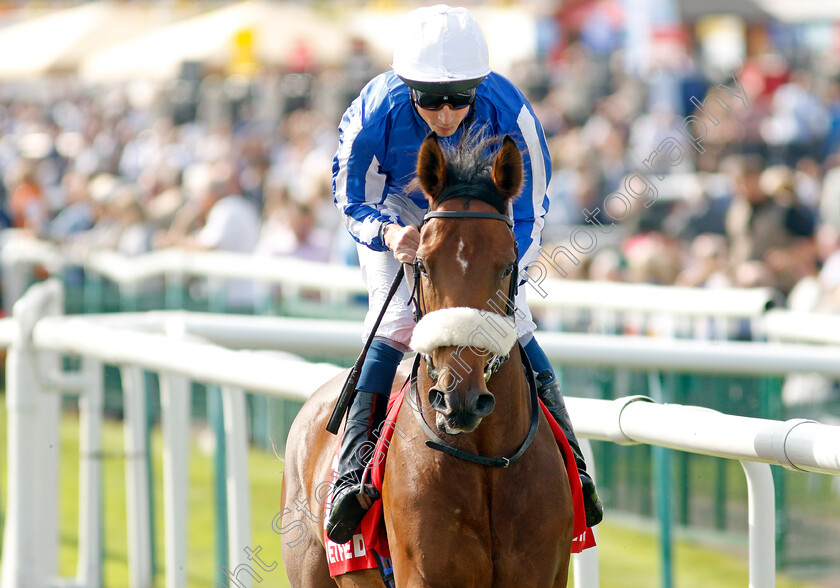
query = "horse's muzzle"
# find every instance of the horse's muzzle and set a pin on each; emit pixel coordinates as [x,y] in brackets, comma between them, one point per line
[460,411]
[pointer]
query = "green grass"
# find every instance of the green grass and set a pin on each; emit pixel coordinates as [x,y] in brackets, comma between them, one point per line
[265,478]
[628,556]
[265,474]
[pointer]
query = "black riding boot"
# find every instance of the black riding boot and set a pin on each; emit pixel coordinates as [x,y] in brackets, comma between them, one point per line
[364,417]
[549,392]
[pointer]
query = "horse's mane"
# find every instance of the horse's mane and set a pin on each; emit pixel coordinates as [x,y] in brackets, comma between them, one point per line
[469,162]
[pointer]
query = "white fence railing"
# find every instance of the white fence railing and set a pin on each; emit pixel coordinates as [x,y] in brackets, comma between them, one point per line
[545,294]
[181,347]
[805,327]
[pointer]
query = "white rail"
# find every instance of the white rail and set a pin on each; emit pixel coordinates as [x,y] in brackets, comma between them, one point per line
[30,541]
[650,299]
[182,347]
[343,339]
[544,292]
[797,444]
[806,327]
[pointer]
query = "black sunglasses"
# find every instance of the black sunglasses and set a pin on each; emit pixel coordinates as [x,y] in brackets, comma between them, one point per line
[457,101]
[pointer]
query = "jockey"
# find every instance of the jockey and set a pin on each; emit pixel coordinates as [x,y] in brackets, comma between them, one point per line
[441,82]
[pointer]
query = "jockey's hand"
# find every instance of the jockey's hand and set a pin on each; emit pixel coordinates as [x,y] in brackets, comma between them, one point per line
[403,241]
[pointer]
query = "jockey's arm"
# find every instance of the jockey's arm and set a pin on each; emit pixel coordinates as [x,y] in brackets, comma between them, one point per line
[403,241]
[359,187]
[530,208]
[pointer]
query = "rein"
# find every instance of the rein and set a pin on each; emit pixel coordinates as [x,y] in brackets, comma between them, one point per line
[435,442]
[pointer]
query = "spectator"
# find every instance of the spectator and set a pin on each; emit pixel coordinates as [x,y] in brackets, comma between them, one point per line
[27,203]
[762,217]
[798,122]
[136,231]
[829,203]
[228,222]
[706,263]
[231,222]
[79,214]
[290,231]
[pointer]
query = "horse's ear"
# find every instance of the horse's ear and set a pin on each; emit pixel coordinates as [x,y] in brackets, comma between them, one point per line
[507,169]
[431,167]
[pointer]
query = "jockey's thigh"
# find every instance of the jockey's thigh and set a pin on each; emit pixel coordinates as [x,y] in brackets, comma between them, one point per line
[378,271]
[524,321]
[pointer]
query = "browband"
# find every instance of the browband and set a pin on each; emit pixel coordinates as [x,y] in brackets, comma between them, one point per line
[467,214]
[485,191]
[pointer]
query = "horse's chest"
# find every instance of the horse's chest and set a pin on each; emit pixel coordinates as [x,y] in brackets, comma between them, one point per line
[523,510]
[470,526]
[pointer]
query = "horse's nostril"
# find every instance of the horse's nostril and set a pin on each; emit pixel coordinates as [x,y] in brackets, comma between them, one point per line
[437,399]
[484,404]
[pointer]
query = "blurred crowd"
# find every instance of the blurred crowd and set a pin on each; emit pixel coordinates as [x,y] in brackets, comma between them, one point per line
[245,165]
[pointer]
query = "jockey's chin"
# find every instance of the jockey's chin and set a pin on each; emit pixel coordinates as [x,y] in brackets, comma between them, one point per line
[444,122]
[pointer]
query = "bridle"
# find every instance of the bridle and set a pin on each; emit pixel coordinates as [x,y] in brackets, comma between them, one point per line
[512,288]
[495,361]
[435,442]
[492,366]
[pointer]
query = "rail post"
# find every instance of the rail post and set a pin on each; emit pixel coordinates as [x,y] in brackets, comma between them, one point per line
[30,542]
[175,420]
[91,497]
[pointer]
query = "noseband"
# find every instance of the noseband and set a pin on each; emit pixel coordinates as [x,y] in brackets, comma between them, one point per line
[435,442]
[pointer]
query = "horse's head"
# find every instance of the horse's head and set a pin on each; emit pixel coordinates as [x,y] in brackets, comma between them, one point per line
[465,273]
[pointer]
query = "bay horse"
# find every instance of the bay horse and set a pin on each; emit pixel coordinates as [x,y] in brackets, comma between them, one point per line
[452,518]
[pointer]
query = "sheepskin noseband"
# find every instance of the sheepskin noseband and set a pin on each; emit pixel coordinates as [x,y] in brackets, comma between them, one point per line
[467,327]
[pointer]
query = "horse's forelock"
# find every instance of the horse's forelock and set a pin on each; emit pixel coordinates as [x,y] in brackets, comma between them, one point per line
[470,162]
[471,159]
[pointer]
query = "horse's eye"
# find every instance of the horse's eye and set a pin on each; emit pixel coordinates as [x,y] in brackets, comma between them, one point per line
[421,267]
[507,271]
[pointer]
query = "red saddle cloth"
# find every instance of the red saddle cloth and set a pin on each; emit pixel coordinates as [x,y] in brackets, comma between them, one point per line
[357,554]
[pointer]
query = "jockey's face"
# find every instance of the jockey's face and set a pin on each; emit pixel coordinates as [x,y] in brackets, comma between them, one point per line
[444,121]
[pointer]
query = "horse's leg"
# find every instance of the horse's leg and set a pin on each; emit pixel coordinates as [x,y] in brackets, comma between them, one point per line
[563,577]
[307,569]
[309,452]
[361,579]
[303,553]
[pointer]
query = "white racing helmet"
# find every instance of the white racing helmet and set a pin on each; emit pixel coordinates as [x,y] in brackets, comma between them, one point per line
[441,50]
